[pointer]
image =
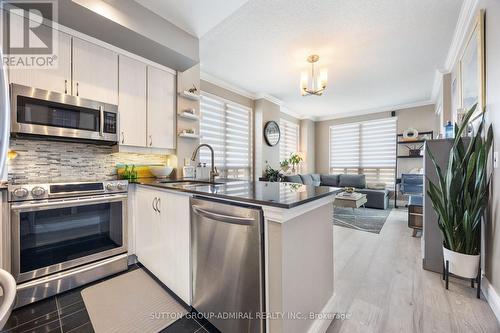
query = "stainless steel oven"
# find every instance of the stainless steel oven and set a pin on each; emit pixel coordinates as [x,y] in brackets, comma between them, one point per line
[41,113]
[60,227]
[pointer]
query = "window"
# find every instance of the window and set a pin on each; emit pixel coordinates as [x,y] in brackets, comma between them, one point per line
[367,148]
[227,127]
[289,142]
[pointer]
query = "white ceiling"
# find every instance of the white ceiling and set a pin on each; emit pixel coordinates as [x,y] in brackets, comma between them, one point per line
[379,53]
[196,17]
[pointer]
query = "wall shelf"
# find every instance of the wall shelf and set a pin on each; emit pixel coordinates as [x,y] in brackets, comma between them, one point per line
[190,116]
[189,136]
[189,95]
[422,137]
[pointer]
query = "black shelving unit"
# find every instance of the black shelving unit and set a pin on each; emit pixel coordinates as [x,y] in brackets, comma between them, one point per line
[399,142]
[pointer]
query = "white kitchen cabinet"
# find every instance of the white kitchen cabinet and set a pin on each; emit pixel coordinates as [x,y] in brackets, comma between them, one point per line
[163,238]
[57,79]
[161,99]
[95,72]
[132,102]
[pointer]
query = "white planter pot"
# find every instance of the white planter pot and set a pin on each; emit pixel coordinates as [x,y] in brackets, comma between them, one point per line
[463,265]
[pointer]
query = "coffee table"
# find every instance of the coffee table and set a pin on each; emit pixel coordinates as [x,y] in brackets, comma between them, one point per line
[355,200]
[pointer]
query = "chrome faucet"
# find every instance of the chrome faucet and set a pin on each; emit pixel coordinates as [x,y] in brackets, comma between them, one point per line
[213,173]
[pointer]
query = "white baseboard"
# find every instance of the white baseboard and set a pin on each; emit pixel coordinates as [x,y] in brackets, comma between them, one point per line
[491,296]
[321,325]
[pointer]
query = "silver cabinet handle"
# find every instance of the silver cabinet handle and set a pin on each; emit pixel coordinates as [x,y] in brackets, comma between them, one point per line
[123,137]
[154,204]
[101,116]
[223,218]
[158,202]
[77,92]
[150,140]
[65,86]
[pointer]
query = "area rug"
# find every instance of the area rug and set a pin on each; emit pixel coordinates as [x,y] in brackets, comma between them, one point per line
[364,219]
[131,302]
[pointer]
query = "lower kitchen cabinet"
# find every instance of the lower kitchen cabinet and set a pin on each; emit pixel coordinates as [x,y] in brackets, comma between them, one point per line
[162,238]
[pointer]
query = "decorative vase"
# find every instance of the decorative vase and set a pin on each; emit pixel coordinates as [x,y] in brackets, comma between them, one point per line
[460,264]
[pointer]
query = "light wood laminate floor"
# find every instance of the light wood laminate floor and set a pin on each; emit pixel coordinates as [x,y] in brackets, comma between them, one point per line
[380,284]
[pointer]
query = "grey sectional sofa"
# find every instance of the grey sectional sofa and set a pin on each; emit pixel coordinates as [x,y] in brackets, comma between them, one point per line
[375,198]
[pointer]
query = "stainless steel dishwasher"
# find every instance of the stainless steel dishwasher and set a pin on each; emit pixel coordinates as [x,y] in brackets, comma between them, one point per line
[228,265]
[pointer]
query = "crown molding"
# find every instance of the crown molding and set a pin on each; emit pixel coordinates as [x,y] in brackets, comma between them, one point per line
[226,85]
[270,98]
[376,110]
[465,19]
[240,91]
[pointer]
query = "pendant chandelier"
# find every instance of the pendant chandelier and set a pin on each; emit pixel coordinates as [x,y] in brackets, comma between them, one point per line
[313,82]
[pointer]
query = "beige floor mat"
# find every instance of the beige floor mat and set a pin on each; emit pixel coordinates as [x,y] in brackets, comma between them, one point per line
[132,302]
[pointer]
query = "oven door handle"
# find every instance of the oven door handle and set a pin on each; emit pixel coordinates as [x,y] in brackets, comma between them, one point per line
[69,202]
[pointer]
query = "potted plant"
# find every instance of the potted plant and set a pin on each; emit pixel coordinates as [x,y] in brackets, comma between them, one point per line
[285,165]
[460,197]
[272,175]
[294,160]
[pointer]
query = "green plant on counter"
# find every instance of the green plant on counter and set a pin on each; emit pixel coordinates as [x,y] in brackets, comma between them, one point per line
[273,175]
[284,164]
[295,159]
[460,197]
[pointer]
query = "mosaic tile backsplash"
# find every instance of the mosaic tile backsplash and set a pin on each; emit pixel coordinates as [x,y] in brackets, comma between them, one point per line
[49,161]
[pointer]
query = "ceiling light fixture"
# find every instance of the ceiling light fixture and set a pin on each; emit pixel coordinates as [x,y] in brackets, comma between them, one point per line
[316,84]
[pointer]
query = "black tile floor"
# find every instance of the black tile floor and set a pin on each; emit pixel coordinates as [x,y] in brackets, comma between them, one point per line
[66,312]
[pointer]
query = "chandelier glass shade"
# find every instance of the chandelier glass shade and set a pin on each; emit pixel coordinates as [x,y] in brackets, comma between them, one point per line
[313,82]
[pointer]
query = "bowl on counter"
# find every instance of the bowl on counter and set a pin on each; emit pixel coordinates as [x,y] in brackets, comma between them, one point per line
[161,171]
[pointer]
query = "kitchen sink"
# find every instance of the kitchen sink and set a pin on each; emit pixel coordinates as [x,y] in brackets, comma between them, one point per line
[189,182]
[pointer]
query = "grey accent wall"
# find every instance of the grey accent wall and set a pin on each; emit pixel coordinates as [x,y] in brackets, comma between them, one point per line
[49,161]
[307,145]
[131,27]
[492,230]
[423,118]
[264,154]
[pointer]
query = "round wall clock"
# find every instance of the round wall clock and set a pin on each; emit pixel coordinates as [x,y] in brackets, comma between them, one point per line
[272,133]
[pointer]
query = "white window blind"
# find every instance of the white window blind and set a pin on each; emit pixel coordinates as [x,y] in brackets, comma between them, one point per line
[227,128]
[367,148]
[289,142]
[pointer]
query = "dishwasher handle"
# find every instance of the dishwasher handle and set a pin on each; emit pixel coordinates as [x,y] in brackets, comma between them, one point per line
[248,221]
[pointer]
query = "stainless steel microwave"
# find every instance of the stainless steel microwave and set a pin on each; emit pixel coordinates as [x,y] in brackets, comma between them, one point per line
[51,115]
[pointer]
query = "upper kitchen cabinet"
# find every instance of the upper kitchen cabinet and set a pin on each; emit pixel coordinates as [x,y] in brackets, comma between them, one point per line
[95,72]
[57,79]
[161,108]
[132,102]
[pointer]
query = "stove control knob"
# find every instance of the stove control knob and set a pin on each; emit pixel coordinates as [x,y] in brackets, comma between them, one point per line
[37,191]
[122,186]
[20,192]
[111,187]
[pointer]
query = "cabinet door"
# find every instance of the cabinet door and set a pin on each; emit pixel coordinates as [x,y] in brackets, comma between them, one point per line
[174,231]
[132,102]
[161,109]
[95,72]
[145,227]
[57,79]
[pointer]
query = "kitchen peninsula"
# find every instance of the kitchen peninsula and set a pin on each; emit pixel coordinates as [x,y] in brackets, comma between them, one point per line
[297,241]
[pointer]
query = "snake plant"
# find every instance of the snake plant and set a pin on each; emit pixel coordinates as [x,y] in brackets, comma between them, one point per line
[460,197]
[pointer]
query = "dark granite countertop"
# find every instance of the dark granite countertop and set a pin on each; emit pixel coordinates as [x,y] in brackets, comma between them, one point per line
[282,195]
